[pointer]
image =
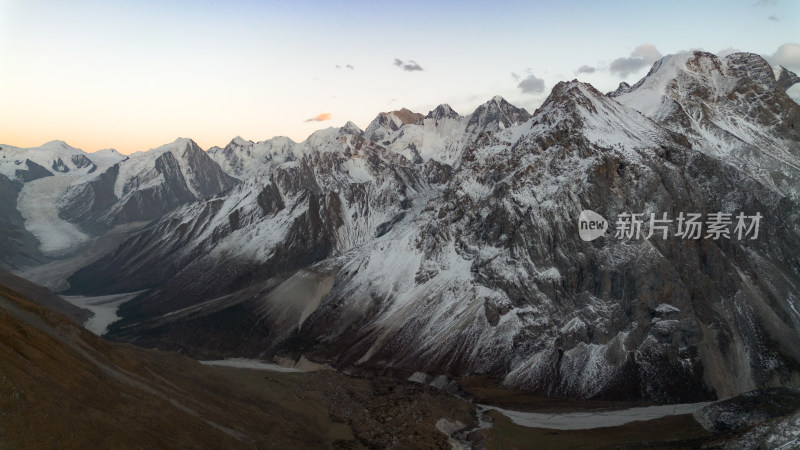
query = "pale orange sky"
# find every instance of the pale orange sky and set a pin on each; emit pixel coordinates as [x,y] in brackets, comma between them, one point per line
[136,75]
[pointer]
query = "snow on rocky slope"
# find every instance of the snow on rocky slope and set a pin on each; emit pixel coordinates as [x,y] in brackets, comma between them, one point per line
[450,244]
[145,186]
[731,108]
[64,196]
[53,158]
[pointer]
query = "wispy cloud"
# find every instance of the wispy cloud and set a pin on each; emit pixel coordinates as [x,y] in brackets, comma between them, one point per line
[531,85]
[586,69]
[765,3]
[641,56]
[514,76]
[773,18]
[408,66]
[787,55]
[319,118]
[348,66]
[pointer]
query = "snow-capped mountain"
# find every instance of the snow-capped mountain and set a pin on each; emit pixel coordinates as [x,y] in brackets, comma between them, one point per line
[60,197]
[442,134]
[387,123]
[243,159]
[52,158]
[145,186]
[449,244]
[731,108]
[32,180]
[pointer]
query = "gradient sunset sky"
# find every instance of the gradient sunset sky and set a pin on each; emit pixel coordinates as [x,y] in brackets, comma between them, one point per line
[136,75]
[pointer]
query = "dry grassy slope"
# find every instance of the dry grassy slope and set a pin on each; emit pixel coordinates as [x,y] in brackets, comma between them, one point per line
[63,387]
[43,297]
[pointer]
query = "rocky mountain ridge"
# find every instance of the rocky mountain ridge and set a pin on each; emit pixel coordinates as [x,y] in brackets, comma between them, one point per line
[449,244]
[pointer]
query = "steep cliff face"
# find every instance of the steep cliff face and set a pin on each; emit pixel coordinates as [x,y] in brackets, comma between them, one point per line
[452,245]
[145,186]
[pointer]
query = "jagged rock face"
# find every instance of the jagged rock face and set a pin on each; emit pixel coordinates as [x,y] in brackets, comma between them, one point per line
[59,166]
[785,77]
[729,108]
[385,123]
[81,161]
[443,111]
[361,255]
[208,178]
[623,88]
[500,283]
[139,189]
[243,159]
[89,202]
[495,115]
[442,134]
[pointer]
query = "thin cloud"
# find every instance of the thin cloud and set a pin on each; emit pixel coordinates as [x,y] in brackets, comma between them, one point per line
[766,3]
[787,55]
[773,18]
[642,56]
[350,66]
[338,66]
[531,85]
[408,66]
[514,76]
[586,69]
[728,51]
[319,118]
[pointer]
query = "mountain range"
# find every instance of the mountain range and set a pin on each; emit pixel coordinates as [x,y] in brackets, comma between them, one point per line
[443,244]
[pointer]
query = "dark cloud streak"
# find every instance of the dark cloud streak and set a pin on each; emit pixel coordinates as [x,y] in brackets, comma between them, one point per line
[642,56]
[408,66]
[532,85]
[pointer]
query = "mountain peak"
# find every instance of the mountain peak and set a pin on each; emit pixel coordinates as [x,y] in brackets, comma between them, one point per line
[387,122]
[623,88]
[496,114]
[181,141]
[441,111]
[785,77]
[238,140]
[572,102]
[350,128]
[407,116]
[56,144]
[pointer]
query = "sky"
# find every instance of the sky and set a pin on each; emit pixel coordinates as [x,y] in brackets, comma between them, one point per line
[136,75]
